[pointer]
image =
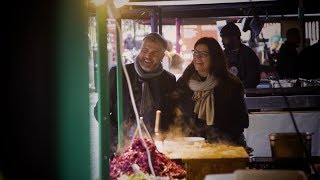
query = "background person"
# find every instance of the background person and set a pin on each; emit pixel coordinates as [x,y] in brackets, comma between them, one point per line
[176,60]
[308,62]
[242,60]
[288,55]
[129,42]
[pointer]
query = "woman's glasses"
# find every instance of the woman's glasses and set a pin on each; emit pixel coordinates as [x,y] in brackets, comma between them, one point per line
[200,54]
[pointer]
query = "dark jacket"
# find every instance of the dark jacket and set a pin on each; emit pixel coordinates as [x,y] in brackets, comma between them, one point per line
[287,61]
[230,116]
[248,65]
[308,62]
[160,88]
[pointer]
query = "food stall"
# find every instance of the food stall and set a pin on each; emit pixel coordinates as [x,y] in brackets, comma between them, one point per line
[268,106]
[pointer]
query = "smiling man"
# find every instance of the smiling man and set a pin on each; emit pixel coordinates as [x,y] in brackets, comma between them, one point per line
[151,85]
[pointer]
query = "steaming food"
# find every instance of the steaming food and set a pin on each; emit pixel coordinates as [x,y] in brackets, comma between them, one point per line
[204,150]
[136,154]
[183,140]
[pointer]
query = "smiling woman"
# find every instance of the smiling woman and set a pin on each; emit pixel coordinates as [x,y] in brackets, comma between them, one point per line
[210,98]
[201,59]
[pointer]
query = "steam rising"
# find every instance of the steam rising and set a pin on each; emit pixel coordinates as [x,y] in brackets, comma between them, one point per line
[182,126]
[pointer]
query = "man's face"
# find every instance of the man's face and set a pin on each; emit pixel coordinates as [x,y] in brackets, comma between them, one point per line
[150,55]
[228,42]
[296,40]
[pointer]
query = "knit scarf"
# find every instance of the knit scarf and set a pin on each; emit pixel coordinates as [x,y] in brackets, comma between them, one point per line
[147,101]
[203,97]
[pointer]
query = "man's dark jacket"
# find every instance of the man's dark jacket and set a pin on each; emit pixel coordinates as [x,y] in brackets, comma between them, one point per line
[248,65]
[307,62]
[160,88]
[287,61]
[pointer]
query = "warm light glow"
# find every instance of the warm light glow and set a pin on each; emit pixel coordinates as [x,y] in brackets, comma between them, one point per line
[183,47]
[120,3]
[98,2]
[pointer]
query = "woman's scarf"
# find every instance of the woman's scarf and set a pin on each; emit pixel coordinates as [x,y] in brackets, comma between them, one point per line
[147,101]
[203,97]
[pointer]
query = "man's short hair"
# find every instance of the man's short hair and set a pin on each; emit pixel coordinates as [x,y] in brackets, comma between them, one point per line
[155,37]
[292,32]
[230,30]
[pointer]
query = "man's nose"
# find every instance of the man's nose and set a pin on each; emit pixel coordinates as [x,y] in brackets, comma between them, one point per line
[147,55]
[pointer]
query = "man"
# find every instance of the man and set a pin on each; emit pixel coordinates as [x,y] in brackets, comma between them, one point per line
[307,62]
[151,85]
[175,59]
[129,42]
[242,60]
[288,55]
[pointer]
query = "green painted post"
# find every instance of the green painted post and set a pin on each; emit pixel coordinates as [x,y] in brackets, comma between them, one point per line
[72,88]
[103,93]
[119,87]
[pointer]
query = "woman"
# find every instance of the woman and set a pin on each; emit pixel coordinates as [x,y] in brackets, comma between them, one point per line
[210,99]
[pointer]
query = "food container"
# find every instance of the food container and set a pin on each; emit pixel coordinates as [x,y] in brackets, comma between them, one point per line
[287,145]
[183,141]
[172,144]
[309,83]
[140,177]
[159,145]
[203,158]
[199,168]
[285,83]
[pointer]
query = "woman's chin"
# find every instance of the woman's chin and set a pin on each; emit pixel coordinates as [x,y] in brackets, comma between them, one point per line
[199,70]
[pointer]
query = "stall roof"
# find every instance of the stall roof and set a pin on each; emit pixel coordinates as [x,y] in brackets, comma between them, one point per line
[187,2]
[142,9]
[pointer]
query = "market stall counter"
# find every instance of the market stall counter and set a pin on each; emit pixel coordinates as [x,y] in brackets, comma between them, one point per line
[202,158]
[269,112]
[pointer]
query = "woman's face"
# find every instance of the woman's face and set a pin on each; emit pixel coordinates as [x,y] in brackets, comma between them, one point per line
[201,59]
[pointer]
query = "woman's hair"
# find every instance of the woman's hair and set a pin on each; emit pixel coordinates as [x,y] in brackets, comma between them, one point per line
[218,66]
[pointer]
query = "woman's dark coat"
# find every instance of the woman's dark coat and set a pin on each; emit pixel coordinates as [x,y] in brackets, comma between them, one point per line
[230,117]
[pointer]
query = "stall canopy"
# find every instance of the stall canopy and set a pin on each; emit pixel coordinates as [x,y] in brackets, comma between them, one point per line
[140,9]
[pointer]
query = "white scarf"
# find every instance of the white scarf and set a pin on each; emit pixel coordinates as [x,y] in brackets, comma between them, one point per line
[203,97]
